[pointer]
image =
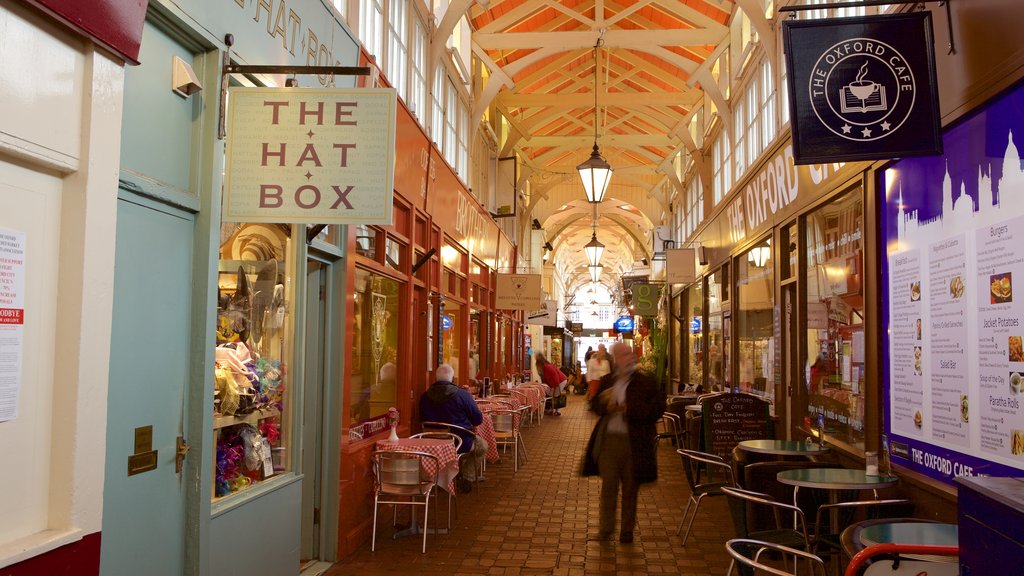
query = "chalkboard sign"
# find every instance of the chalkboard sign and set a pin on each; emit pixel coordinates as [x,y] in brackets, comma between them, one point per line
[732,418]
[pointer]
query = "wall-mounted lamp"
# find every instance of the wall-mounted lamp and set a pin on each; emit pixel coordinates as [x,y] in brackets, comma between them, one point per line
[184,81]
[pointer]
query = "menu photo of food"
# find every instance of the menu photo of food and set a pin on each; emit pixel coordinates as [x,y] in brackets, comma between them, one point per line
[1015,380]
[918,420]
[1001,288]
[1016,348]
[915,290]
[964,413]
[1016,442]
[917,360]
[956,287]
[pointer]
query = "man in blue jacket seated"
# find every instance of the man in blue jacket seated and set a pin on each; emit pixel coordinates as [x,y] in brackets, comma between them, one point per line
[446,402]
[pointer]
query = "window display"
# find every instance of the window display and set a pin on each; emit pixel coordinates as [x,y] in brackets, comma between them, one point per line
[374,366]
[834,364]
[718,334]
[695,335]
[755,292]
[251,391]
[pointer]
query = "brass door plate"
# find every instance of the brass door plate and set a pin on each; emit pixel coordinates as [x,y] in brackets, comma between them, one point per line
[143,439]
[139,463]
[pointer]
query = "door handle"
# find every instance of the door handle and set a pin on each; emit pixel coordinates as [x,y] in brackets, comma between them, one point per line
[179,455]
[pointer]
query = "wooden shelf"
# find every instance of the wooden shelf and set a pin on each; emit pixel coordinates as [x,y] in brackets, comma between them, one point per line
[251,418]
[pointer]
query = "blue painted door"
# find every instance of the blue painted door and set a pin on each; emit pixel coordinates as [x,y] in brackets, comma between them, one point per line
[143,514]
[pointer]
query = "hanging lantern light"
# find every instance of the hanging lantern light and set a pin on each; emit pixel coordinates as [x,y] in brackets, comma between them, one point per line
[595,172]
[594,249]
[595,272]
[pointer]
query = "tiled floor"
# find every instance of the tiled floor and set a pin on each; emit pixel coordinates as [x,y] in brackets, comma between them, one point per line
[537,520]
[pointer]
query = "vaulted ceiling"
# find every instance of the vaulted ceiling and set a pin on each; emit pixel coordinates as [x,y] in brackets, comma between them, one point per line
[633,66]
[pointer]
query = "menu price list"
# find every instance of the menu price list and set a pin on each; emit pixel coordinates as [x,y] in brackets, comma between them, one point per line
[907,345]
[947,351]
[1000,261]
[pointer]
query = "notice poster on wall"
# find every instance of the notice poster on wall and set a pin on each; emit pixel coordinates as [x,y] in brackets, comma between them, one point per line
[12,319]
[954,234]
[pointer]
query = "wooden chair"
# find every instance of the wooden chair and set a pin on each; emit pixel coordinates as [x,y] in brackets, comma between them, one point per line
[719,475]
[400,480]
[750,553]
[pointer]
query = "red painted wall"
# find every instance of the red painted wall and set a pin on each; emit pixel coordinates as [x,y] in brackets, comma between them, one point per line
[80,558]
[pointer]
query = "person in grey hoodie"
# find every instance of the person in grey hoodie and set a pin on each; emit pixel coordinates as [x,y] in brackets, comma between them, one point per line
[446,402]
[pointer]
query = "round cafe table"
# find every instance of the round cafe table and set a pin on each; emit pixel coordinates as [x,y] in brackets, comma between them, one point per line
[834,480]
[913,533]
[782,447]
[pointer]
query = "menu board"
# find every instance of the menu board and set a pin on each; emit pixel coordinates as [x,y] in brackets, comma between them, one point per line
[954,237]
[732,418]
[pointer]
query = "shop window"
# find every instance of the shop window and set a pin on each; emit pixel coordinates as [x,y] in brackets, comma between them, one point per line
[451,336]
[695,334]
[252,398]
[834,368]
[394,254]
[366,242]
[677,347]
[375,357]
[717,335]
[755,326]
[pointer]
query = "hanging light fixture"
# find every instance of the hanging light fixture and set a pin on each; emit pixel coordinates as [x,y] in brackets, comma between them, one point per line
[595,272]
[596,172]
[594,249]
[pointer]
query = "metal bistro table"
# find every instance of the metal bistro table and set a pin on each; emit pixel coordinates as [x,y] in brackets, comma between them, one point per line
[782,447]
[913,533]
[833,480]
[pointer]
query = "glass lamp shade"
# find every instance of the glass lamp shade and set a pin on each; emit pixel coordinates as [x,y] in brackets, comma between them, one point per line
[594,249]
[595,272]
[595,174]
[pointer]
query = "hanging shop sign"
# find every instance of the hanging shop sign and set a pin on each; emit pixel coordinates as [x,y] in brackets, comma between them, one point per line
[310,156]
[518,292]
[681,266]
[545,315]
[645,299]
[624,324]
[862,88]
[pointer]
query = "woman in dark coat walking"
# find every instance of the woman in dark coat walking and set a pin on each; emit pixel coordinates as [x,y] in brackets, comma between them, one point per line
[623,448]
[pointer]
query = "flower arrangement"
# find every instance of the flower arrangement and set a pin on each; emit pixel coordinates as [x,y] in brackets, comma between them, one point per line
[393,422]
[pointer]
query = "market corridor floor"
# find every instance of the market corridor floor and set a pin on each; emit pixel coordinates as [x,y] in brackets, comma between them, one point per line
[537,521]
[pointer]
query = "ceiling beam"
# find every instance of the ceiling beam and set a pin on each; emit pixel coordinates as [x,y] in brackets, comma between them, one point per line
[586,99]
[572,40]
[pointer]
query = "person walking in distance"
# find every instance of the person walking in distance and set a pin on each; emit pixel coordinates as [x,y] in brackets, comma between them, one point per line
[554,378]
[597,366]
[622,447]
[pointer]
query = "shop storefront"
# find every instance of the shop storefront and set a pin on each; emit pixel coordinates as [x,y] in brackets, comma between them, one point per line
[420,293]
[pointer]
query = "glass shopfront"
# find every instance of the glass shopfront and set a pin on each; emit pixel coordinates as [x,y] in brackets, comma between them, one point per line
[451,337]
[834,359]
[252,398]
[695,335]
[755,296]
[718,328]
[375,358]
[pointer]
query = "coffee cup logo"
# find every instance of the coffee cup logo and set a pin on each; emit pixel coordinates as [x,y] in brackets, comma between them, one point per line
[862,89]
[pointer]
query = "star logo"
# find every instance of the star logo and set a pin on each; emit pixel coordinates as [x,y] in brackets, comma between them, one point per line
[886,126]
[846,128]
[866,132]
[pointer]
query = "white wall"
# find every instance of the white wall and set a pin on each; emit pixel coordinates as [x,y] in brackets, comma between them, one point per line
[59,146]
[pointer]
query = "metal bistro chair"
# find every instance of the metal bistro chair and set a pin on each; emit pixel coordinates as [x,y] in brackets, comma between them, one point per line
[671,429]
[719,475]
[844,513]
[506,433]
[748,552]
[399,481]
[739,499]
[454,439]
[455,429]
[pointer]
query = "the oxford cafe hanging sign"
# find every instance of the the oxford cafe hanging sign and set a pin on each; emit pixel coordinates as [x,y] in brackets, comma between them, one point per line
[862,88]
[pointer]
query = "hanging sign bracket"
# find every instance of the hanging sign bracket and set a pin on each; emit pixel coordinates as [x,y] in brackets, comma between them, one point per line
[228,68]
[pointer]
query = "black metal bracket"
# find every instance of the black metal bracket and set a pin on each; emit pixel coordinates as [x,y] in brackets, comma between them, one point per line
[228,68]
[861,3]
